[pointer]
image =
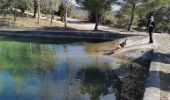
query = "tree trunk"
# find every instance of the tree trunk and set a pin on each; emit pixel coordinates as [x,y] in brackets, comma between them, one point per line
[52,17]
[97,22]
[52,13]
[132,17]
[15,14]
[27,8]
[5,13]
[14,10]
[38,11]
[51,20]
[65,15]
[35,8]
[65,20]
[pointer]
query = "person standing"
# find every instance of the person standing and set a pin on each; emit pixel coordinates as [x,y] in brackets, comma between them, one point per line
[151,28]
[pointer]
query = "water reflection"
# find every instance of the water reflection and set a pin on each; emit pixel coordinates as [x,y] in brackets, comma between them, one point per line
[98,83]
[34,71]
[18,58]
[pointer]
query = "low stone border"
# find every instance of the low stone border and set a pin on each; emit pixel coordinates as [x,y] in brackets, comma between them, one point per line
[152,85]
[65,34]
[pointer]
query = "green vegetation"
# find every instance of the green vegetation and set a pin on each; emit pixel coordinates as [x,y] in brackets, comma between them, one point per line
[135,11]
[132,15]
[161,17]
[109,19]
[19,57]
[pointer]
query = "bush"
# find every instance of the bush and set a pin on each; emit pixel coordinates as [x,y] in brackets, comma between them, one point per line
[45,7]
[108,19]
[22,5]
[80,14]
[163,27]
[122,20]
[60,12]
[71,10]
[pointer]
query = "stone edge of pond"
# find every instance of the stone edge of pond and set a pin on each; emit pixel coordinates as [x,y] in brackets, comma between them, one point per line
[152,85]
[102,35]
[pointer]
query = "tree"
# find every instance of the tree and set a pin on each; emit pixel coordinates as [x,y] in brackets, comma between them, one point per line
[97,7]
[133,5]
[22,5]
[14,6]
[52,12]
[162,18]
[65,4]
[61,12]
[145,5]
[35,8]
[38,11]
[4,5]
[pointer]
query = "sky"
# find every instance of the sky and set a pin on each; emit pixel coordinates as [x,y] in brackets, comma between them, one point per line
[74,2]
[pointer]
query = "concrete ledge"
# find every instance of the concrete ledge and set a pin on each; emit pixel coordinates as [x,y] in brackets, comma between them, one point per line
[64,34]
[152,85]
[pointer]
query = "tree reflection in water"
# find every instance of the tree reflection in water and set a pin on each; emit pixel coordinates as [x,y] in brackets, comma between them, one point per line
[32,71]
[20,60]
[99,81]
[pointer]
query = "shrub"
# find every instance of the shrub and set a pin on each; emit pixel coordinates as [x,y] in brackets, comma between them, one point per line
[80,14]
[108,19]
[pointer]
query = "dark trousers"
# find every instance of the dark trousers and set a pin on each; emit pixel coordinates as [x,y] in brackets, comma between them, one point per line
[150,36]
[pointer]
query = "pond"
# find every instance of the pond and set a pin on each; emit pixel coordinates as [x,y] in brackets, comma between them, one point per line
[56,70]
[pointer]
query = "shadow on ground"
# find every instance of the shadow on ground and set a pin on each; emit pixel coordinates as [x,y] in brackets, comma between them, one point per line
[115,35]
[164,82]
[56,28]
[47,40]
[164,58]
[133,76]
[137,45]
[164,76]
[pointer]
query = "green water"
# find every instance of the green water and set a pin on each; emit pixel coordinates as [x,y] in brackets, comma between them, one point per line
[55,70]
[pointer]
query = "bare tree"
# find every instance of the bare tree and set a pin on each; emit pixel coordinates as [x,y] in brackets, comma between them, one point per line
[65,3]
[14,9]
[35,8]
[52,3]
[38,11]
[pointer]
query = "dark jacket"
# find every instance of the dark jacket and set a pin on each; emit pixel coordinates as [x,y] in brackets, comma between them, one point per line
[152,27]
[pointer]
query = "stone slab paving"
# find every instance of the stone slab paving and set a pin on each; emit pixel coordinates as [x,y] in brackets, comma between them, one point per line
[158,82]
[164,50]
[152,86]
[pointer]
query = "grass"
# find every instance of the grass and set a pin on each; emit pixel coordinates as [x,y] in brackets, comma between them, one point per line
[29,23]
[25,23]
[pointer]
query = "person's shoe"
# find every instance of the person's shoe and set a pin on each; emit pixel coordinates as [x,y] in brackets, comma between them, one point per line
[150,42]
